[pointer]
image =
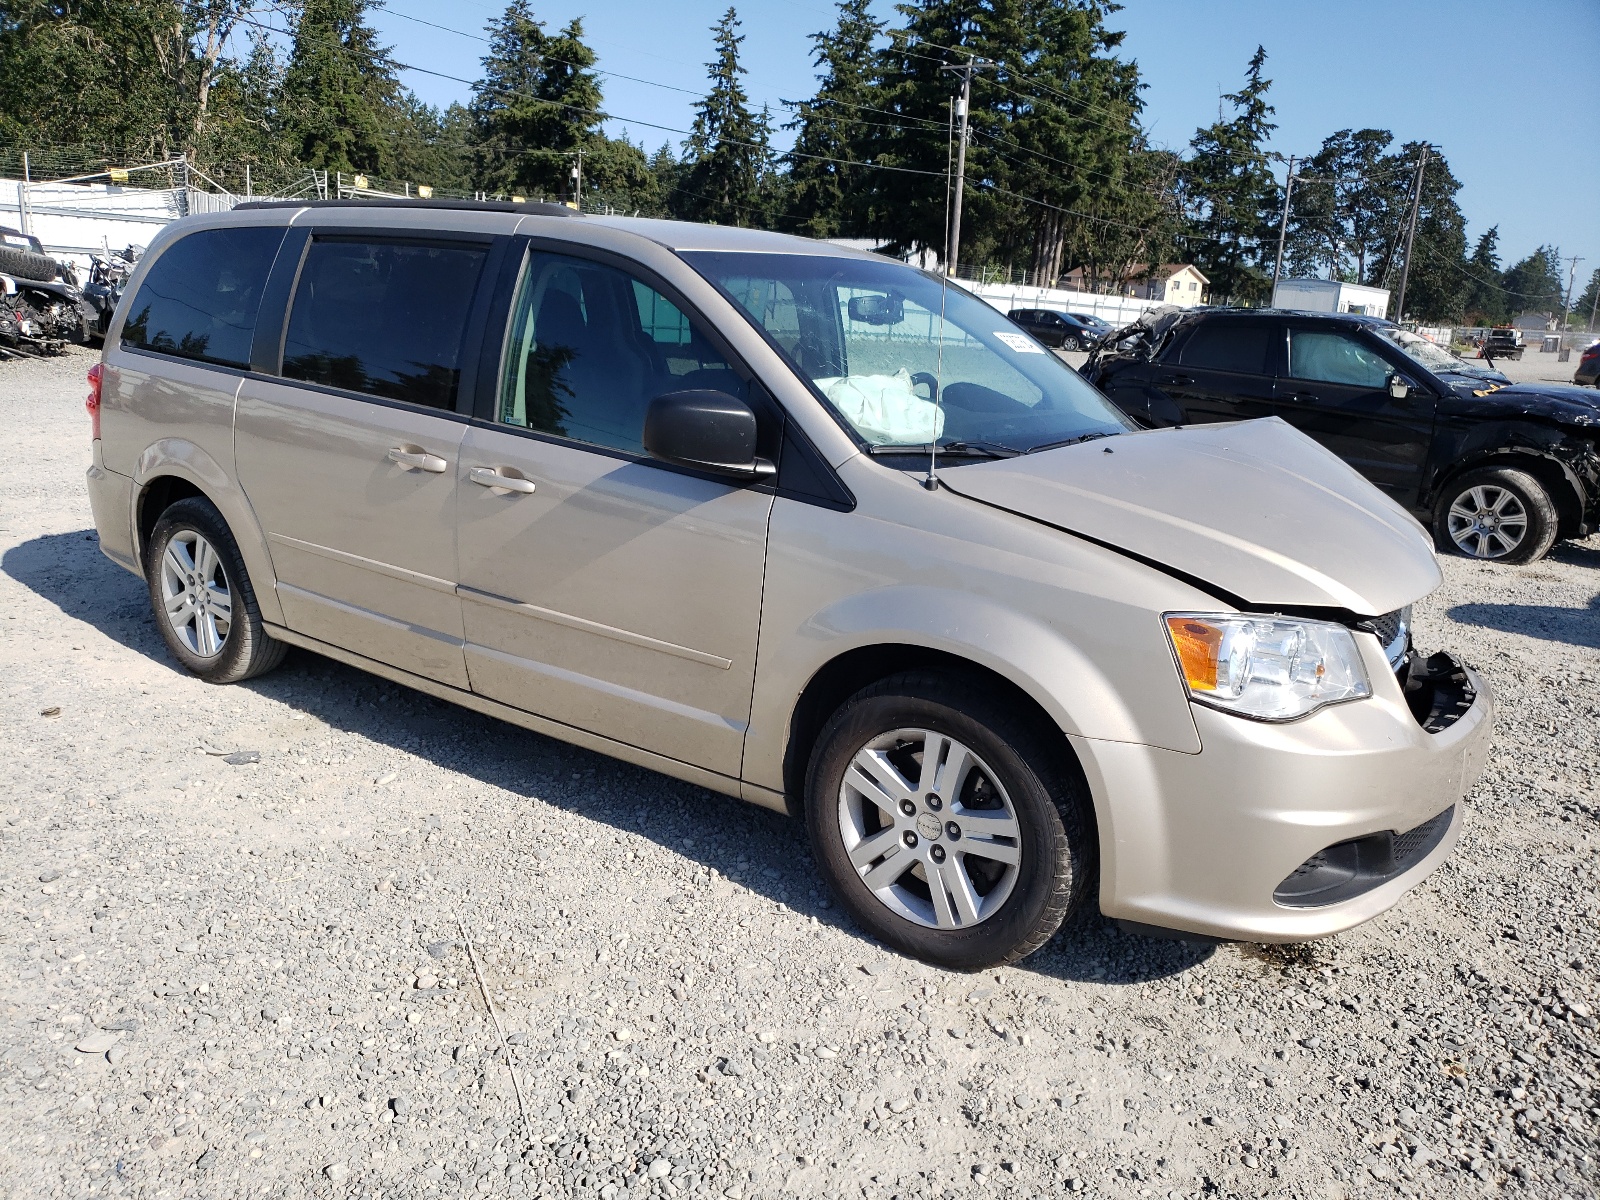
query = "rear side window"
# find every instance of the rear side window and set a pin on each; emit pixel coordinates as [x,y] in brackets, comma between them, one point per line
[1239,347]
[200,298]
[383,318]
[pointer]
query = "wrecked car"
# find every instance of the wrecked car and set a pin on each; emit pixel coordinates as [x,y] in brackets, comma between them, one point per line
[1496,470]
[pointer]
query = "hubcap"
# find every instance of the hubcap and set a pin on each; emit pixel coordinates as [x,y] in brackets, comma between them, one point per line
[195,594]
[930,829]
[1487,521]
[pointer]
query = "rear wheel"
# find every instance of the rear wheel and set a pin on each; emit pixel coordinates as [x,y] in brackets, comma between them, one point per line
[204,604]
[1496,514]
[949,828]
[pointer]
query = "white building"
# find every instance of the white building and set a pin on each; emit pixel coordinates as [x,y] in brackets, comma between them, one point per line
[1329,295]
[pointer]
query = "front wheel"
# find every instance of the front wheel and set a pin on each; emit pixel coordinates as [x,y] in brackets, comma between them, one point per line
[949,827]
[1496,514]
[204,604]
[1071,344]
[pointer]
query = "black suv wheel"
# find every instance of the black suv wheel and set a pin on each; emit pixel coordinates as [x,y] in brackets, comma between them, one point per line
[1497,514]
[947,827]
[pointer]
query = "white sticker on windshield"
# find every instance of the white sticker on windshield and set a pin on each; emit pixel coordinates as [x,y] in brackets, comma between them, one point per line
[1020,342]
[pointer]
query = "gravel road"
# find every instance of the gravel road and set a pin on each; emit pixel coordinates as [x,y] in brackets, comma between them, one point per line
[235,956]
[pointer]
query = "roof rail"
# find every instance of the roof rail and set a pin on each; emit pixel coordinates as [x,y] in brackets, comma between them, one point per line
[535,209]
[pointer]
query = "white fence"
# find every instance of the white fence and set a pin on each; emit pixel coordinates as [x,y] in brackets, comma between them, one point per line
[1119,310]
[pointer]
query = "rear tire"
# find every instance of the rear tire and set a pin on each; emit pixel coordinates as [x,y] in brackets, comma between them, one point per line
[204,604]
[990,857]
[1496,514]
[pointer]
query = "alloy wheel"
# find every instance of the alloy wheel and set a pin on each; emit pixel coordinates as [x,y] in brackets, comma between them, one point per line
[1487,521]
[930,829]
[195,594]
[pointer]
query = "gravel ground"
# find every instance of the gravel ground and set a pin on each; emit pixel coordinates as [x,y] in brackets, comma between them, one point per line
[235,959]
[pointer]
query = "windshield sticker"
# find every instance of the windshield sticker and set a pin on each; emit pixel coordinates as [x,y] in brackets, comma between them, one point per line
[1020,342]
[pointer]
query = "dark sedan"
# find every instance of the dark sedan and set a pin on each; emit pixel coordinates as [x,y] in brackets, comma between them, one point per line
[1497,472]
[1588,372]
[1064,331]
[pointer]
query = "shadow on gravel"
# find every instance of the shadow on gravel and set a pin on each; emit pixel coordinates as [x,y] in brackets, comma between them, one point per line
[759,849]
[1573,626]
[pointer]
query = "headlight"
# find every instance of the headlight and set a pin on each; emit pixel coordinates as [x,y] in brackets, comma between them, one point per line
[1268,668]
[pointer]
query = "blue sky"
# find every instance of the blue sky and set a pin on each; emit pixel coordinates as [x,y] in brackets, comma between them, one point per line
[1511,92]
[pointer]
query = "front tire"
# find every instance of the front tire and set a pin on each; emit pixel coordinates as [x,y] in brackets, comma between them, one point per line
[1496,514]
[204,604]
[947,825]
[1071,344]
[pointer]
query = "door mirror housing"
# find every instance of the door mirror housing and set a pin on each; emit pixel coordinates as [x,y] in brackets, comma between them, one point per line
[1399,387]
[707,430]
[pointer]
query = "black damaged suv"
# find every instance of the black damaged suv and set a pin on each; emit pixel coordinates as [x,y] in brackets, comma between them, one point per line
[1499,471]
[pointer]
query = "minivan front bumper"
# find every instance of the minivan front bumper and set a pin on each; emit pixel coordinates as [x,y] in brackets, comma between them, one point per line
[1289,832]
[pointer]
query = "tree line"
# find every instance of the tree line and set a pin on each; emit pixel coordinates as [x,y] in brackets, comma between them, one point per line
[1061,173]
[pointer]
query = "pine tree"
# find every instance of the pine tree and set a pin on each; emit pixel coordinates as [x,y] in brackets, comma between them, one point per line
[1584,307]
[1534,285]
[339,90]
[726,158]
[1232,194]
[1485,302]
[536,107]
[833,126]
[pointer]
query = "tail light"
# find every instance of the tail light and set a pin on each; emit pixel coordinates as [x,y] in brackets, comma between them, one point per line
[92,403]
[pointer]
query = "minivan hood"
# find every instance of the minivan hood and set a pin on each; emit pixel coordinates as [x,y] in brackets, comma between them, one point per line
[1254,509]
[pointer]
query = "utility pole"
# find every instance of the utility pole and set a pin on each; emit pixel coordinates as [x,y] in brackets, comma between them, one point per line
[1283,229]
[952,247]
[22,196]
[1411,233]
[1594,307]
[577,177]
[1566,308]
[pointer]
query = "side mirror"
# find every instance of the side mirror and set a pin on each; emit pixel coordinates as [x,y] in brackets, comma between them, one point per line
[710,431]
[1399,387]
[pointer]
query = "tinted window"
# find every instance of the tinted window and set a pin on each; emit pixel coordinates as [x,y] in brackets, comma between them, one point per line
[200,298]
[1335,358]
[591,346]
[384,318]
[1230,347]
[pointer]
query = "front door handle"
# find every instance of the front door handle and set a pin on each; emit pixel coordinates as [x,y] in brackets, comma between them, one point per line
[408,456]
[490,478]
[1178,380]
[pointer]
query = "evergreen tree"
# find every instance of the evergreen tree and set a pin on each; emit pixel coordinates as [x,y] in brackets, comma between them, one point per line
[536,107]
[1485,301]
[1232,195]
[726,159]
[1438,280]
[1534,285]
[1584,308]
[339,90]
[833,125]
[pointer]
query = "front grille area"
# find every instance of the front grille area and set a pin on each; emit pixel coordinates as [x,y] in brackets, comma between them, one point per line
[1393,630]
[1348,869]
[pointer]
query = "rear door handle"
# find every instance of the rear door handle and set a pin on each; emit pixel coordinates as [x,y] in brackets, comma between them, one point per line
[490,478]
[418,459]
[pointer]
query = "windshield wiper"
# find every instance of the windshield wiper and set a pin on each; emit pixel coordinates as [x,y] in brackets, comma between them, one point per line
[952,449]
[1071,441]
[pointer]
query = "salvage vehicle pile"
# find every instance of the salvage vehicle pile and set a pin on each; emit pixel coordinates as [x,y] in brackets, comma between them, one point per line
[293,938]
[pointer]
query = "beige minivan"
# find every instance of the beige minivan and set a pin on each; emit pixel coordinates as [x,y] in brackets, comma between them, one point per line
[802,525]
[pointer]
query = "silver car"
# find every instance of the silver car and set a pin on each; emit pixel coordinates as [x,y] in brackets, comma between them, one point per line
[804,526]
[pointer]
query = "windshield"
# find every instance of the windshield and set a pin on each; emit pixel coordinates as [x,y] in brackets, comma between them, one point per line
[1430,354]
[905,361]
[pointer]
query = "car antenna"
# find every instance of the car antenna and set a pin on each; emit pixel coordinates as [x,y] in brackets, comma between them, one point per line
[932,481]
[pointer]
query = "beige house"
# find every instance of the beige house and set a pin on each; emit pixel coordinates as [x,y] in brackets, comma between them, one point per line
[1171,283]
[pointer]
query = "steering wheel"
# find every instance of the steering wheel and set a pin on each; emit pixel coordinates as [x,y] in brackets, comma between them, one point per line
[931,380]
